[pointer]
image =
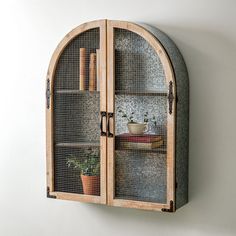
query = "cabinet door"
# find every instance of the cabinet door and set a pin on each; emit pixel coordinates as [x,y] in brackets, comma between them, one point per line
[141,154]
[76,113]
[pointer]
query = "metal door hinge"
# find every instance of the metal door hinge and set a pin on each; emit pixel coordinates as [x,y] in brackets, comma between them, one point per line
[171,209]
[48,94]
[170,97]
[48,193]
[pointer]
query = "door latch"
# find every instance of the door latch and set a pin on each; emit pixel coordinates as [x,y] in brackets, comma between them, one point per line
[170,97]
[103,115]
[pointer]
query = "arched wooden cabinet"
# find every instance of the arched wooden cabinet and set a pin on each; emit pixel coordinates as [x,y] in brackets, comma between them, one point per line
[117,118]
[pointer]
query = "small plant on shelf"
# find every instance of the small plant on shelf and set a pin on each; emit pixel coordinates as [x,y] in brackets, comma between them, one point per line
[155,128]
[88,166]
[145,117]
[133,126]
[129,118]
[154,120]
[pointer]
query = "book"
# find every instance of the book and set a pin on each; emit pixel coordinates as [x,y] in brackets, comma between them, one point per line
[98,69]
[138,145]
[82,68]
[145,138]
[92,72]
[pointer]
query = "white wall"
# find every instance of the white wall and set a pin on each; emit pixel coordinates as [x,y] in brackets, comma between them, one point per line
[205,32]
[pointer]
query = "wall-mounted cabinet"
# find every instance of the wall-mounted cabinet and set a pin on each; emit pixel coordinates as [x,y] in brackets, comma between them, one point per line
[117,118]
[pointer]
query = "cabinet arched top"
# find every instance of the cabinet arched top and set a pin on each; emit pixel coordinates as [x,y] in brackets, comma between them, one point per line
[151,39]
[67,39]
[109,25]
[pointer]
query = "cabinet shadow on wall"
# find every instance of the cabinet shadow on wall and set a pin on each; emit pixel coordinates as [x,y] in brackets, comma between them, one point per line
[199,48]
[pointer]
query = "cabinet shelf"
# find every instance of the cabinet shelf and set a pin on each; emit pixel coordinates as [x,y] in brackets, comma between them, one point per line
[154,150]
[147,93]
[117,92]
[75,91]
[78,144]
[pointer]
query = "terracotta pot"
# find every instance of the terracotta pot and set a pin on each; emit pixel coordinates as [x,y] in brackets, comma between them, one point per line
[91,184]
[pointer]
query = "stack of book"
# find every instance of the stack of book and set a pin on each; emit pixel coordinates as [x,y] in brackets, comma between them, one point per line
[145,141]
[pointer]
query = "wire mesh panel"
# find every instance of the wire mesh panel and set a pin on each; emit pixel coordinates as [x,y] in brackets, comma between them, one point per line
[76,116]
[141,120]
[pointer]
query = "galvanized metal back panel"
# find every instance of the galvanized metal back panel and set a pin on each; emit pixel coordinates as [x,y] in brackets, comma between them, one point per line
[182,114]
[140,88]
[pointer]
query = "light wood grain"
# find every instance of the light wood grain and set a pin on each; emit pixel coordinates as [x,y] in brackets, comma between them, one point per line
[49,142]
[169,75]
[75,91]
[78,145]
[101,24]
[98,69]
[110,108]
[139,204]
[77,197]
[92,72]
[82,68]
[103,107]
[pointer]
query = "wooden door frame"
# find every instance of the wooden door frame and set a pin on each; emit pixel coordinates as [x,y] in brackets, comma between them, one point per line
[169,75]
[101,24]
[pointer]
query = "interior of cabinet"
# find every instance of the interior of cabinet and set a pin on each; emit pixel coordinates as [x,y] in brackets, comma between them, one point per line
[140,88]
[76,113]
[138,68]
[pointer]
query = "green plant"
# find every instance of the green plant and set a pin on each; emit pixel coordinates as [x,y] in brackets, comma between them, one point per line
[87,164]
[145,117]
[154,120]
[129,118]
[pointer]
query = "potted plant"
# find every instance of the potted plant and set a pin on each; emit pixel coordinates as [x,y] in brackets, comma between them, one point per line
[133,126]
[88,166]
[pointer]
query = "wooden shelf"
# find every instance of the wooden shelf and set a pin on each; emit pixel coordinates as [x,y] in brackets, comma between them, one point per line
[147,93]
[74,91]
[79,144]
[117,92]
[155,150]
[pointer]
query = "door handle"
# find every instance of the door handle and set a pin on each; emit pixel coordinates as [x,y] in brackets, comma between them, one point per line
[103,114]
[109,134]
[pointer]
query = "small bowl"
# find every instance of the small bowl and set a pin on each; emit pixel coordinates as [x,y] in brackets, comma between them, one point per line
[137,128]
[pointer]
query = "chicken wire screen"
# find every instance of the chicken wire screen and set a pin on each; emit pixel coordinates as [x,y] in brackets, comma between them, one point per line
[76,117]
[141,120]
